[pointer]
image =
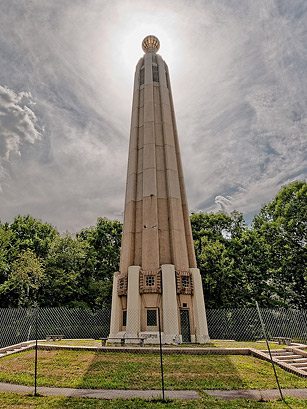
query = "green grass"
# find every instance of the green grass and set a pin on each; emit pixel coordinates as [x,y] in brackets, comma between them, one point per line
[125,370]
[236,344]
[212,344]
[75,342]
[15,401]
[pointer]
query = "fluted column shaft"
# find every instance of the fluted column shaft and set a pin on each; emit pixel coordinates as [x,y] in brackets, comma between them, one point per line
[157,227]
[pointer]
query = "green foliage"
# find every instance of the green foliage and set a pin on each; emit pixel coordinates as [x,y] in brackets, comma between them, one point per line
[30,233]
[24,281]
[65,265]
[5,242]
[78,271]
[239,265]
[267,262]
[103,255]
[283,225]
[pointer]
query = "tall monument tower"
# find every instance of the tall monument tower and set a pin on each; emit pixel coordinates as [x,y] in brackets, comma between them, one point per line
[158,265]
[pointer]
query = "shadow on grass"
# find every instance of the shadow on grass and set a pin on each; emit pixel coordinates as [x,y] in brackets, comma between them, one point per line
[142,371]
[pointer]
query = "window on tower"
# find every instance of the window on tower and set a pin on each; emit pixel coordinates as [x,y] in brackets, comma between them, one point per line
[150,281]
[167,78]
[124,318]
[185,281]
[155,73]
[151,318]
[142,75]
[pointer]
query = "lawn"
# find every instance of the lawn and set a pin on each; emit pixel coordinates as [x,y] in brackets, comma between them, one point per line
[15,401]
[126,370]
[212,344]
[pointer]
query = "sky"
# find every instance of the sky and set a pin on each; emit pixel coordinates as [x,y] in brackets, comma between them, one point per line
[238,73]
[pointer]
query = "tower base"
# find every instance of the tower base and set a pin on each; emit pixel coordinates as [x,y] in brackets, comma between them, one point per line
[182,316]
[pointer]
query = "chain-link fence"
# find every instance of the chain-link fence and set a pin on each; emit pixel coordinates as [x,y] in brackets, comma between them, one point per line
[74,349]
[18,325]
[243,324]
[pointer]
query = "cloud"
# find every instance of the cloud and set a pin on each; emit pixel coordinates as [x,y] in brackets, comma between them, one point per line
[247,109]
[224,204]
[17,121]
[237,69]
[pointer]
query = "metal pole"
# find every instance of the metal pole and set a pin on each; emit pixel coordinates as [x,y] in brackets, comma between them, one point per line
[161,360]
[36,336]
[269,349]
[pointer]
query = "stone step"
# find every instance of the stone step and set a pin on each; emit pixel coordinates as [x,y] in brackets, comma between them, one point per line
[285,357]
[282,353]
[290,361]
[299,364]
[301,359]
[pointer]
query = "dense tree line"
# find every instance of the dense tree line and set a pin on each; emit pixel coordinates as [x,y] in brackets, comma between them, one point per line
[266,262]
[38,266]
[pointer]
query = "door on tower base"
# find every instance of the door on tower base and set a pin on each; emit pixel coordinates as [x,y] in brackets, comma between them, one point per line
[185,325]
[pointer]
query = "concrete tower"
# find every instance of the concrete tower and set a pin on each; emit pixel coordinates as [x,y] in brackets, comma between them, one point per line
[158,265]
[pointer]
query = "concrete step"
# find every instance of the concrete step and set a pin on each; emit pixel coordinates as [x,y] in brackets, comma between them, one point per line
[282,352]
[11,351]
[297,356]
[299,364]
[285,357]
[301,359]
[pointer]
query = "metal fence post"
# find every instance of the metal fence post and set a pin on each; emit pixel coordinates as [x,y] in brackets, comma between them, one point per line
[269,349]
[36,336]
[161,356]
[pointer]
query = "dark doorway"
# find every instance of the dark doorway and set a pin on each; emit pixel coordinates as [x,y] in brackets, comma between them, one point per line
[185,325]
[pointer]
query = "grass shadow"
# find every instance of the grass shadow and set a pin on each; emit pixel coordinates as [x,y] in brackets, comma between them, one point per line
[128,370]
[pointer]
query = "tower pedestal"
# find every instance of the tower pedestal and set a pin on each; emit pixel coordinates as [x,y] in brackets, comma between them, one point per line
[116,316]
[133,327]
[200,319]
[169,305]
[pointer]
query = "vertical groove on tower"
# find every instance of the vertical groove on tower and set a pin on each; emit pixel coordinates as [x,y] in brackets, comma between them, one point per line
[150,239]
[163,210]
[176,223]
[185,208]
[139,177]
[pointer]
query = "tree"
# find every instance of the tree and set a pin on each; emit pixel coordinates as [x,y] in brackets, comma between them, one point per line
[102,260]
[283,225]
[5,240]
[30,233]
[214,235]
[65,266]
[24,281]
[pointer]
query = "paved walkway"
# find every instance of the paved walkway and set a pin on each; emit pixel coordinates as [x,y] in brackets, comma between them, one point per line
[269,394]
[101,393]
[265,394]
